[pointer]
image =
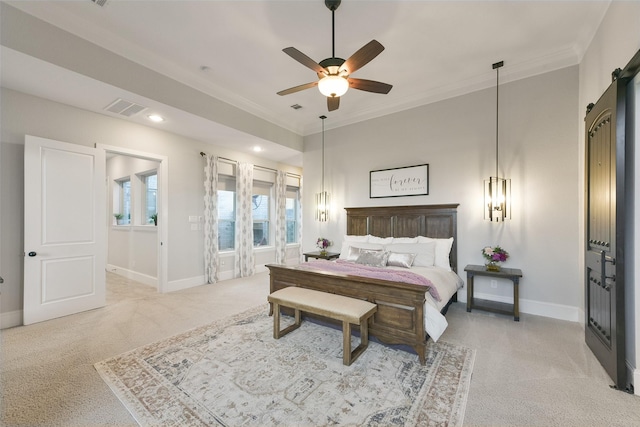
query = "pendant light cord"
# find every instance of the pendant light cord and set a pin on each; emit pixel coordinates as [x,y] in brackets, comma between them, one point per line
[497,66]
[323,117]
[497,114]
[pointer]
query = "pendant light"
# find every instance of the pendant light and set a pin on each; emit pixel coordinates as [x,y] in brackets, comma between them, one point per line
[497,191]
[323,199]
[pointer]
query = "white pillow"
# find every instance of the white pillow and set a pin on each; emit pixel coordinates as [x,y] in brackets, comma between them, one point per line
[405,240]
[346,242]
[355,252]
[443,249]
[356,238]
[380,240]
[373,258]
[425,252]
[400,260]
[347,246]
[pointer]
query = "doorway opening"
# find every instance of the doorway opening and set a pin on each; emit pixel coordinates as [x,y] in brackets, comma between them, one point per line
[136,187]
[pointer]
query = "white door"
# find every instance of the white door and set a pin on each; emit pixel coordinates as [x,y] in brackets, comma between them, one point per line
[64,229]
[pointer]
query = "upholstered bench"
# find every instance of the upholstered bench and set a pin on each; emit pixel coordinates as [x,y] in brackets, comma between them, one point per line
[348,310]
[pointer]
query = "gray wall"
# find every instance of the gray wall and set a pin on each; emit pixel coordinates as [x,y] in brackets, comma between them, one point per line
[23,114]
[456,137]
[542,151]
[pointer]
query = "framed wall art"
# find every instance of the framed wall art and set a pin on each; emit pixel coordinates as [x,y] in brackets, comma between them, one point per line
[398,182]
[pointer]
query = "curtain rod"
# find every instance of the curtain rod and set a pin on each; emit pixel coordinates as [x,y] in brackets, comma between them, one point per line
[203,154]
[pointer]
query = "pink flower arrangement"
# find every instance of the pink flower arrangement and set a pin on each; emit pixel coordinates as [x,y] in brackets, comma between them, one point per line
[496,254]
[323,243]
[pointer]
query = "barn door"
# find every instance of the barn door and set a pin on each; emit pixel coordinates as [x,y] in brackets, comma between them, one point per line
[604,219]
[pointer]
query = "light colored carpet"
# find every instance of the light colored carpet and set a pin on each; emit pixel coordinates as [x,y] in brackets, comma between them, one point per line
[536,372]
[233,372]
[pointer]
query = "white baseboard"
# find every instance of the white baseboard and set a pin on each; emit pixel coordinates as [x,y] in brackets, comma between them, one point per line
[225,275]
[11,319]
[546,309]
[178,285]
[230,274]
[133,275]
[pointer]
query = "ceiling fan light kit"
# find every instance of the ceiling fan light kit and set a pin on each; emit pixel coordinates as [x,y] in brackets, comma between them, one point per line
[333,86]
[334,73]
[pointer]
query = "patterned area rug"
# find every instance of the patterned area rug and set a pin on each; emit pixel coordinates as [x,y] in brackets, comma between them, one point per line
[232,372]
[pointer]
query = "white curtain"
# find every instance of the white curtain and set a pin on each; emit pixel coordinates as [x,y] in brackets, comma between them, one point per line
[299,222]
[281,217]
[211,260]
[244,265]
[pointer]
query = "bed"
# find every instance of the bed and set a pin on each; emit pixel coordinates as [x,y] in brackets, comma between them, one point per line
[405,310]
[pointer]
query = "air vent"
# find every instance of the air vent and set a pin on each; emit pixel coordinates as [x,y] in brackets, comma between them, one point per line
[101,3]
[296,106]
[125,108]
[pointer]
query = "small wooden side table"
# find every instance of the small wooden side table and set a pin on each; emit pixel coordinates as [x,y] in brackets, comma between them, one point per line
[318,255]
[513,274]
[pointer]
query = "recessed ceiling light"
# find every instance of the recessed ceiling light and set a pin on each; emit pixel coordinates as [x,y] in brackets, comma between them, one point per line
[156,118]
[257,149]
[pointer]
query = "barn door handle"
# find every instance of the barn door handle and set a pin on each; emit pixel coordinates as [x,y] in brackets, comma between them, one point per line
[604,259]
[32,254]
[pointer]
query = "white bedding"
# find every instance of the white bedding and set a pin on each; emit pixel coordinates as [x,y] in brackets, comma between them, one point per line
[447,283]
[432,256]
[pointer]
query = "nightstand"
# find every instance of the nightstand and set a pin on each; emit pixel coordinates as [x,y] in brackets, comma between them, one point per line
[318,255]
[513,274]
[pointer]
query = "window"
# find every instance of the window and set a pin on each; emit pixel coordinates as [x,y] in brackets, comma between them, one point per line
[226,213]
[260,214]
[150,197]
[122,201]
[292,215]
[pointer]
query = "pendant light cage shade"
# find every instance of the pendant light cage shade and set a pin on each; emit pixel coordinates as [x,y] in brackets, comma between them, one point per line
[497,191]
[497,199]
[323,201]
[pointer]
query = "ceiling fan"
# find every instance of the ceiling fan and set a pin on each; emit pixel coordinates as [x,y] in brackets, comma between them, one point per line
[334,74]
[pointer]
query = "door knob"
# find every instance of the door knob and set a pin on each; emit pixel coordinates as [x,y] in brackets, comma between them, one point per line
[32,254]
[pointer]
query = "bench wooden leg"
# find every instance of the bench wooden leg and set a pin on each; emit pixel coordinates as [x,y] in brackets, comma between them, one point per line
[349,356]
[276,320]
[346,343]
[364,333]
[277,333]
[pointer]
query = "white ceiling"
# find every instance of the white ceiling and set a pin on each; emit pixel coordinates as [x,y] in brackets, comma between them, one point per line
[434,50]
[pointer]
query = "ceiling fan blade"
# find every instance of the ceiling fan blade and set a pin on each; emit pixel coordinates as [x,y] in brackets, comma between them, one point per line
[297,88]
[369,85]
[304,59]
[333,102]
[362,57]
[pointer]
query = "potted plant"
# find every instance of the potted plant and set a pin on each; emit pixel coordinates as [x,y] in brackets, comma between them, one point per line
[154,218]
[118,218]
[494,256]
[323,244]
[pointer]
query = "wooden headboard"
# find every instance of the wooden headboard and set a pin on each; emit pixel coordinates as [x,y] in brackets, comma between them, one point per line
[437,221]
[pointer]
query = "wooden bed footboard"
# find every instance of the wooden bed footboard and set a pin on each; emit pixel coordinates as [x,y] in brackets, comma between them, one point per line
[400,315]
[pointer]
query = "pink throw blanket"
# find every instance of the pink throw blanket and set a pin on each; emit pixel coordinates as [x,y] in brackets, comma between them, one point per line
[341,266]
